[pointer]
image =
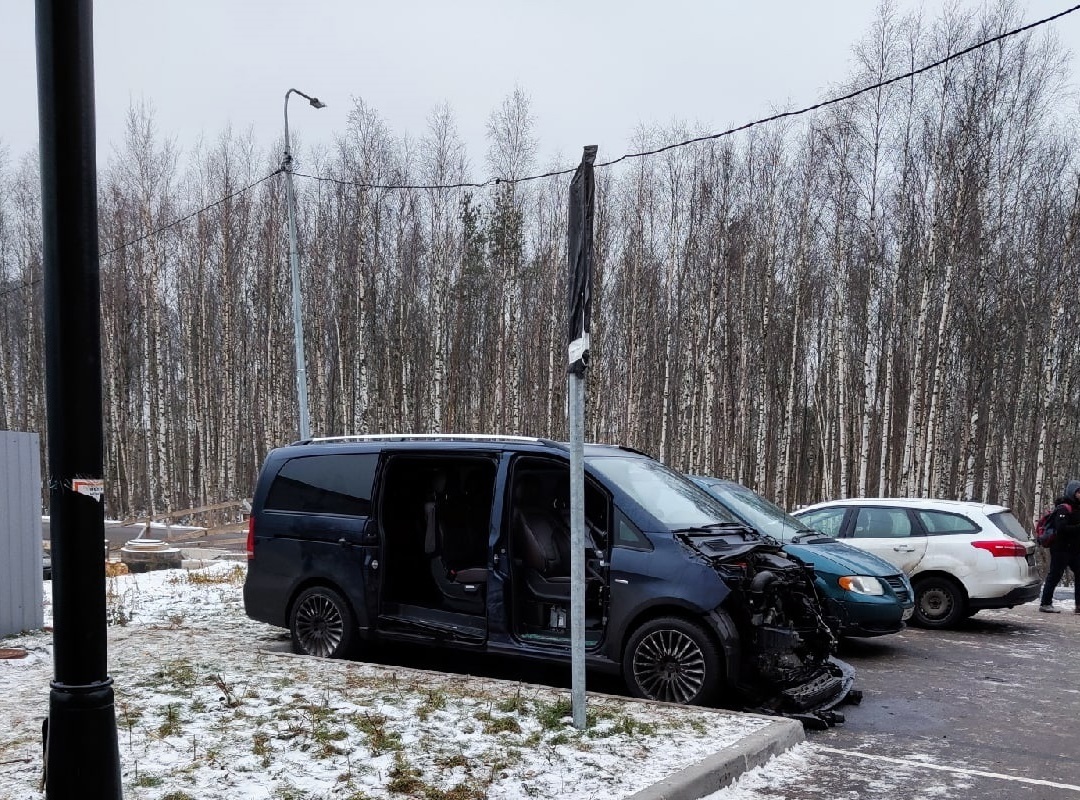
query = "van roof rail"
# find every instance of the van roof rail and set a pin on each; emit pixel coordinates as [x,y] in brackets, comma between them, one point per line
[406,437]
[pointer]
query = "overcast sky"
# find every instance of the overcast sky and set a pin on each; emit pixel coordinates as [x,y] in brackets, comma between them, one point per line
[594,70]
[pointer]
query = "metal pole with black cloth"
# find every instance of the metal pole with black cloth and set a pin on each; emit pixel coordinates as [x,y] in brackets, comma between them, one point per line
[579,290]
[82,758]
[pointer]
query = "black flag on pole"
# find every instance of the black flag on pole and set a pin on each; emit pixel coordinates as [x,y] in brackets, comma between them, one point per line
[580,260]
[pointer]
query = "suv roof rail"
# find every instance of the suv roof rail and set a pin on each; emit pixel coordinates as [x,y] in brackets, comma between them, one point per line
[405,437]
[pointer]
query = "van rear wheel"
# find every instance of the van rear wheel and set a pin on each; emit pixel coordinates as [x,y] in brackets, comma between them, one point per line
[322,624]
[673,660]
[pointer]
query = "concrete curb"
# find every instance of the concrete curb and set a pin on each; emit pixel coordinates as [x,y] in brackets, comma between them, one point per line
[721,769]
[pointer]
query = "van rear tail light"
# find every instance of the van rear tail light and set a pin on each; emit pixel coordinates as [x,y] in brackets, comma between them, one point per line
[251,538]
[1002,548]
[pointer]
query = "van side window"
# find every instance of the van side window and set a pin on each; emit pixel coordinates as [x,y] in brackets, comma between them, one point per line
[627,534]
[329,484]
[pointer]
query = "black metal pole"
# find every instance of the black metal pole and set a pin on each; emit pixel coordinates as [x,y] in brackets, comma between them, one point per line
[81,754]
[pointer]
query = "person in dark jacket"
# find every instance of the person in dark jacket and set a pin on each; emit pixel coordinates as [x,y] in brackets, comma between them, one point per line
[1065,549]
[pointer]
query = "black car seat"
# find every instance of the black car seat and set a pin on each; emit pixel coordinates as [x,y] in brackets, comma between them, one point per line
[458,569]
[540,539]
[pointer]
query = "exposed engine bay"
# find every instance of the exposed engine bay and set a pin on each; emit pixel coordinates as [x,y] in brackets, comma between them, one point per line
[785,663]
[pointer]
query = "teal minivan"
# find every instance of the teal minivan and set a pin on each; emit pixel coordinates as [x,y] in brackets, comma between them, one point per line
[865,594]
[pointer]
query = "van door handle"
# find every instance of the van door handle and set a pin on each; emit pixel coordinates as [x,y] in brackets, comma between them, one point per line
[904,548]
[344,542]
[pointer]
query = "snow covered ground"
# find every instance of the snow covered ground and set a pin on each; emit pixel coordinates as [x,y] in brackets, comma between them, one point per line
[208,707]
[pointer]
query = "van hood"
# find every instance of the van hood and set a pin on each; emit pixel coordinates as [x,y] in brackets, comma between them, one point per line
[836,558]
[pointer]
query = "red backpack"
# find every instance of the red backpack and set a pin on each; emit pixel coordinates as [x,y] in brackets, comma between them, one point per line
[1044,528]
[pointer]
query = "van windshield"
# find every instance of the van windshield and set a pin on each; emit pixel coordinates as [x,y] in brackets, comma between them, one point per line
[665,494]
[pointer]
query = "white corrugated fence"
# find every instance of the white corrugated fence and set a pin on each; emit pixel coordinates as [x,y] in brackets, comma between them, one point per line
[20,533]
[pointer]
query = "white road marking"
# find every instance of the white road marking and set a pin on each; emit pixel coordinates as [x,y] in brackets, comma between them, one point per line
[941,768]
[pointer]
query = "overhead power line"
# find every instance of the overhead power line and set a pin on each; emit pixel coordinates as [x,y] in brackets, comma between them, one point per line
[708,137]
[626,156]
[850,95]
[27,284]
[195,213]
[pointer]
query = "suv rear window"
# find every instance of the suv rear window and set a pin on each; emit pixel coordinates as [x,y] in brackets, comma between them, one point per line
[330,484]
[1005,522]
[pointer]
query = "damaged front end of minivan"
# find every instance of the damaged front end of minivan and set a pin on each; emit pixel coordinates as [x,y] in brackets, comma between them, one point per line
[785,663]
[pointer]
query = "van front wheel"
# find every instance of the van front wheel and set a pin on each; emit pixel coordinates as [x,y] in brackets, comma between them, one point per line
[673,660]
[322,624]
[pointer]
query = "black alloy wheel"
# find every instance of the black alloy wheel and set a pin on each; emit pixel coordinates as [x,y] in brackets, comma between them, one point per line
[672,660]
[322,624]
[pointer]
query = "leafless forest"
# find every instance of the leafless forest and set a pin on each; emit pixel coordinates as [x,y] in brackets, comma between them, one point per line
[878,297]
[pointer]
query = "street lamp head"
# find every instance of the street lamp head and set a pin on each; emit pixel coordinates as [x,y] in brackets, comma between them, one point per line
[316,102]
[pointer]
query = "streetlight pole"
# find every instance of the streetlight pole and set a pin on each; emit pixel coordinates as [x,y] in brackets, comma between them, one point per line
[82,758]
[294,266]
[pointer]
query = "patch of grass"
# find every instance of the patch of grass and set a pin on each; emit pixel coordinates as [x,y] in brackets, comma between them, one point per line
[233,576]
[325,737]
[452,761]
[513,705]
[405,778]
[177,796]
[180,673]
[170,726]
[127,715]
[117,611]
[260,746]
[501,725]
[356,680]
[552,716]
[434,700]
[148,781]
[461,791]
[635,727]
[289,792]
[379,739]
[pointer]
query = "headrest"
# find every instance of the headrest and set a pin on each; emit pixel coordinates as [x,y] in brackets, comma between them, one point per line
[529,490]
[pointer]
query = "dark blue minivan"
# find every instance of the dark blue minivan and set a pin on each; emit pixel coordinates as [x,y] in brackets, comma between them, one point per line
[464,541]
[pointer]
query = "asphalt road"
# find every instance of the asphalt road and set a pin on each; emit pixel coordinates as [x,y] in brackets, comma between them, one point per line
[991,710]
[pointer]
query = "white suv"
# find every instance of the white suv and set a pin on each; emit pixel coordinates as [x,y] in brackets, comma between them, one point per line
[961,556]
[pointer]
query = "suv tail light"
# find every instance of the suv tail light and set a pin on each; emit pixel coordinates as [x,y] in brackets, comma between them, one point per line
[251,538]
[1002,548]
